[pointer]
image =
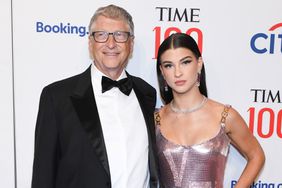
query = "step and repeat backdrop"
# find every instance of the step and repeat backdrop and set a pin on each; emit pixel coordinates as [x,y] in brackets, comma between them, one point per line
[241,44]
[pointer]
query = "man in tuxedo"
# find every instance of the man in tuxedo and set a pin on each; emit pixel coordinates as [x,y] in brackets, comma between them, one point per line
[96,129]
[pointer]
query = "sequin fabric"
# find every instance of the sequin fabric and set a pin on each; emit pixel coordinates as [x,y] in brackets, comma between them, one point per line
[197,166]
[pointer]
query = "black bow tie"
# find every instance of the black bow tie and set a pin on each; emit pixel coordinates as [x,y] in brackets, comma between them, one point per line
[124,85]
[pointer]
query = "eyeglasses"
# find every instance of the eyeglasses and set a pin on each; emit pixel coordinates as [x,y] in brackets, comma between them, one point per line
[103,36]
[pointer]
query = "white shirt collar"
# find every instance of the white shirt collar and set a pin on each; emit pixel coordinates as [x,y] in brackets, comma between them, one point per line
[96,77]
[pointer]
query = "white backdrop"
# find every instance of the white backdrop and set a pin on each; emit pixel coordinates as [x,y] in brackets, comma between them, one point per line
[6,98]
[236,73]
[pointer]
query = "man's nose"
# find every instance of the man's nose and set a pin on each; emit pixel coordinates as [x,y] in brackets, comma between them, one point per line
[111,43]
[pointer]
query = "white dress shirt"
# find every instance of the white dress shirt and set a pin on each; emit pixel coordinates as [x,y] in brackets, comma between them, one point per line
[125,134]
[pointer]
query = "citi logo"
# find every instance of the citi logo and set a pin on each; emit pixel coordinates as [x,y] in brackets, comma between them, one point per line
[270,42]
[61,28]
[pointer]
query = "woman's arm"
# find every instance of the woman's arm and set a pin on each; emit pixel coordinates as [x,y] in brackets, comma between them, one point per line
[248,146]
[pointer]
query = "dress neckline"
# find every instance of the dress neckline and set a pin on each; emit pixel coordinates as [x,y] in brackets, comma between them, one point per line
[219,132]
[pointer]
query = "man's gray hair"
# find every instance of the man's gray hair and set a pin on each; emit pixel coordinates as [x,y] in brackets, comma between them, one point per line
[113,12]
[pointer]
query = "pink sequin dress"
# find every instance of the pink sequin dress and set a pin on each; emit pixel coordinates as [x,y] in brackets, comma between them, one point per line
[197,166]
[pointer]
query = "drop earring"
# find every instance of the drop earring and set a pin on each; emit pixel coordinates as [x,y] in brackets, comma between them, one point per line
[165,86]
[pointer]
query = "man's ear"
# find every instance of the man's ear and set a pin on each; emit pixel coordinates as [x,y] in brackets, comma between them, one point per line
[131,48]
[90,43]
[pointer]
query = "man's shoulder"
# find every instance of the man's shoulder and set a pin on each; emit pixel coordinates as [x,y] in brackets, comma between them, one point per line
[139,82]
[66,84]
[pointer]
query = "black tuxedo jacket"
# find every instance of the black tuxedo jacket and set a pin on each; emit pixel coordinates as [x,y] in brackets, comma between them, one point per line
[69,145]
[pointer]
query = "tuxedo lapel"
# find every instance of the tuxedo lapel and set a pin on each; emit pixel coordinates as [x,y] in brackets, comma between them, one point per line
[85,105]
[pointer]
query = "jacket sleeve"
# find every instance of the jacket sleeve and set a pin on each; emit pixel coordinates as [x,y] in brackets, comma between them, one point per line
[46,148]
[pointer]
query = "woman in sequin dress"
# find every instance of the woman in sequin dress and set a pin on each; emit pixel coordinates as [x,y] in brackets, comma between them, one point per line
[193,132]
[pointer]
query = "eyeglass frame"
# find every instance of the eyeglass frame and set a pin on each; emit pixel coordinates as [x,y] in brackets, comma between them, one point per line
[129,34]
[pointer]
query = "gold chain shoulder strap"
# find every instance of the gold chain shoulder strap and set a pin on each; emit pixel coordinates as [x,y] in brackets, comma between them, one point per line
[157,117]
[224,114]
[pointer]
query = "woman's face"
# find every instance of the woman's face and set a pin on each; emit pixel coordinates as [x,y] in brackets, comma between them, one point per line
[180,69]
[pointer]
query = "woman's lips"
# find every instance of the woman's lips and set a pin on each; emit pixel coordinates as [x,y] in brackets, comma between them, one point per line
[180,82]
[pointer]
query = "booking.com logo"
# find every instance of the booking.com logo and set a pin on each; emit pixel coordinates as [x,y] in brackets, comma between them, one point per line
[267,42]
[260,184]
[61,28]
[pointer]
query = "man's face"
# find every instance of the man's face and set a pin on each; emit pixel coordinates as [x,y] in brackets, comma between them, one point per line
[110,57]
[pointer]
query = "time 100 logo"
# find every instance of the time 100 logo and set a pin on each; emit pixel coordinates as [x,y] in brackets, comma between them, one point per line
[164,33]
[266,120]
